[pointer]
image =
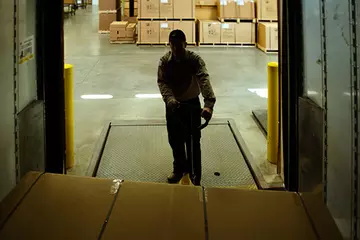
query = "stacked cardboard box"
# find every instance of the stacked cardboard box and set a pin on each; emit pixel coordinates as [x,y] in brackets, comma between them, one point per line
[157,18]
[127,9]
[267,9]
[231,9]
[153,32]
[206,9]
[122,32]
[108,13]
[268,37]
[214,32]
[167,9]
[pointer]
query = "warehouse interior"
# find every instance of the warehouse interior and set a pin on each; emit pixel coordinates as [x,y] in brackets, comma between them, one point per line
[116,129]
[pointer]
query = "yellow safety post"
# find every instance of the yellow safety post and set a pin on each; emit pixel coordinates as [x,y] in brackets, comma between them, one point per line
[273,113]
[69,115]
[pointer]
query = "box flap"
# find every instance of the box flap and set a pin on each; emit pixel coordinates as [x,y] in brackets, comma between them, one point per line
[157,211]
[320,217]
[8,205]
[256,215]
[61,207]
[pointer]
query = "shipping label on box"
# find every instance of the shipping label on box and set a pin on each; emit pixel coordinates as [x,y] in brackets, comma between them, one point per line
[166,9]
[228,33]
[149,9]
[165,30]
[184,9]
[149,32]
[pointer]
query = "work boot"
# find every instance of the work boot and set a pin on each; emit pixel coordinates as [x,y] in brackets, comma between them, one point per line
[174,178]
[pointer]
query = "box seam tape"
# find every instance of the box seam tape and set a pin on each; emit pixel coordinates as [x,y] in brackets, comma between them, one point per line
[302,203]
[114,190]
[206,223]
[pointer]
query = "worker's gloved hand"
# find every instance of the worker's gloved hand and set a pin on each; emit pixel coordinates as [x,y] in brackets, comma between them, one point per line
[173,104]
[207,114]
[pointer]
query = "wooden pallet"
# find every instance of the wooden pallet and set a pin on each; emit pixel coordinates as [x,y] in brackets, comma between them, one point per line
[237,20]
[267,50]
[227,44]
[104,32]
[166,19]
[266,20]
[161,44]
[122,42]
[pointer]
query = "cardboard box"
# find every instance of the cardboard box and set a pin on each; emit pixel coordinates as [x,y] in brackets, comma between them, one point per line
[206,2]
[105,19]
[127,5]
[268,36]
[157,211]
[206,12]
[245,33]
[127,12]
[108,5]
[189,28]
[166,9]
[57,207]
[47,206]
[235,214]
[184,9]
[210,32]
[149,9]
[122,31]
[228,32]
[165,30]
[227,9]
[149,31]
[267,9]
[246,9]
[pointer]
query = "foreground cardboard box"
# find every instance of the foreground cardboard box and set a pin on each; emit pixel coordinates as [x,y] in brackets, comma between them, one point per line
[184,9]
[149,8]
[47,206]
[166,9]
[245,33]
[268,36]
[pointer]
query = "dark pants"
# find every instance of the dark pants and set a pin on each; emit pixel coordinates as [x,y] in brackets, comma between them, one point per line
[179,128]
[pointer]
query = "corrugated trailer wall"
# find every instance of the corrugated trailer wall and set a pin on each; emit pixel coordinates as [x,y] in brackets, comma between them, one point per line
[331,86]
[7,146]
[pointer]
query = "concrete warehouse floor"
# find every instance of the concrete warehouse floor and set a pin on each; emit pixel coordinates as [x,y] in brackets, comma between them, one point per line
[126,70]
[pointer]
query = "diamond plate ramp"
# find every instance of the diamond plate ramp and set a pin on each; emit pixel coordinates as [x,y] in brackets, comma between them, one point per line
[142,153]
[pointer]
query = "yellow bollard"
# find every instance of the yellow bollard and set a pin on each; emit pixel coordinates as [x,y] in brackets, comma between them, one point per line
[273,113]
[69,115]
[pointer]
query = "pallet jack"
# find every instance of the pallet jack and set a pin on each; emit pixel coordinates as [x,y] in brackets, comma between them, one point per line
[188,179]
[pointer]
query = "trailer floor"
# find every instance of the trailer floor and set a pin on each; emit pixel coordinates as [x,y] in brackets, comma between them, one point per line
[139,151]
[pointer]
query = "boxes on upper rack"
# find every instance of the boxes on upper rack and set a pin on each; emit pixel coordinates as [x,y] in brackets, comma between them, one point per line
[268,36]
[245,33]
[228,32]
[246,9]
[206,12]
[210,32]
[127,8]
[236,9]
[189,28]
[149,32]
[267,9]
[105,19]
[206,2]
[227,9]
[122,31]
[166,9]
[149,9]
[165,29]
[184,9]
